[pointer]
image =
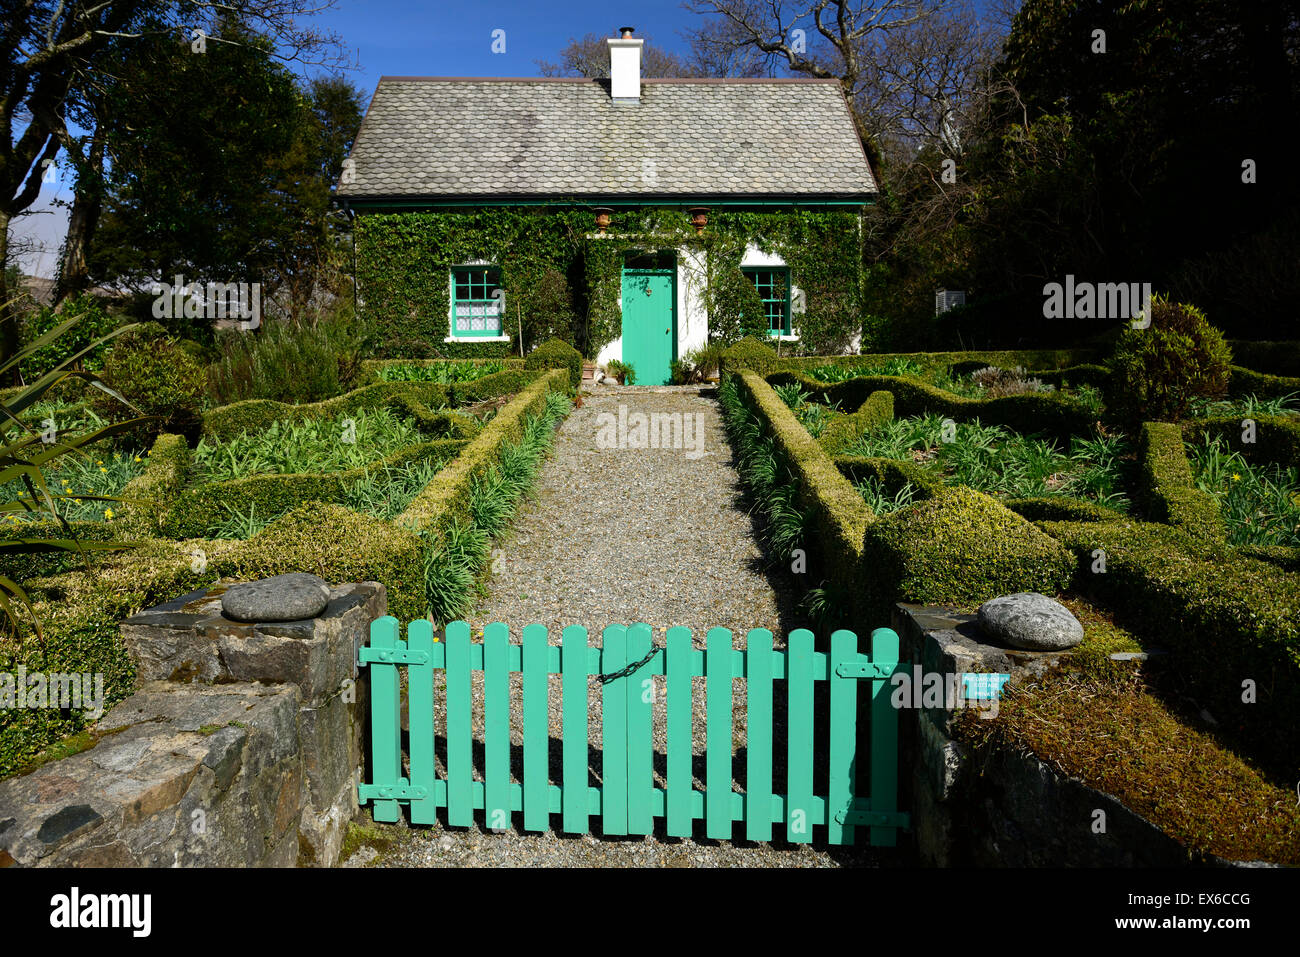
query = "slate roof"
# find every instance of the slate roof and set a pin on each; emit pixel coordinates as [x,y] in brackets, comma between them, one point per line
[427,138]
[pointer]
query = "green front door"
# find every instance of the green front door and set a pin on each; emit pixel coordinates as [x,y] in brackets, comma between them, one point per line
[650,323]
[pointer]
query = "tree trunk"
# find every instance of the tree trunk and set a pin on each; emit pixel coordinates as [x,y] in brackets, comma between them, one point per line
[74,275]
[9,338]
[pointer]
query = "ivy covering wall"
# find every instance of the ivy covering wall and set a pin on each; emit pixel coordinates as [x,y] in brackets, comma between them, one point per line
[561,279]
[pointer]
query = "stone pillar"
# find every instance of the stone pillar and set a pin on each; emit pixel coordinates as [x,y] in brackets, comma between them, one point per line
[194,639]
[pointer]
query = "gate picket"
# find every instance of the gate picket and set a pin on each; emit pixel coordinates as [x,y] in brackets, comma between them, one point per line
[573,657]
[627,800]
[419,709]
[613,735]
[496,726]
[460,741]
[640,743]
[536,690]
[717,785]
[758,747]
[679,718]
[799,789]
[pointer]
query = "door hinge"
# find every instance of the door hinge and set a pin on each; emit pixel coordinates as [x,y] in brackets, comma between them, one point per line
[391,792]
[865,668]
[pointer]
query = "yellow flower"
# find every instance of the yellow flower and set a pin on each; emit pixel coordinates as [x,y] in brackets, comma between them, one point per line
[137,458]
[108,513]
[99,461]
[102,469]
[1236,477]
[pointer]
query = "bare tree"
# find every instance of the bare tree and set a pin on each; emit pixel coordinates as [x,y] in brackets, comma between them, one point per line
[589,57]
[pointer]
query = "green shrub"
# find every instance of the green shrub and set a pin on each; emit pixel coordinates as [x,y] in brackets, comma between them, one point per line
[622,371]
[157,377]
[287,362]
[753,354]
[1276,439]
[891,474]
[96,322]
[1261,385]
[1156,372]
[959,547]
[557,354]
[1165,489]
[704,363]
[1058,508]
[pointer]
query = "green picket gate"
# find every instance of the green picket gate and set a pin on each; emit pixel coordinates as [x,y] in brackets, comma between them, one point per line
[628,802]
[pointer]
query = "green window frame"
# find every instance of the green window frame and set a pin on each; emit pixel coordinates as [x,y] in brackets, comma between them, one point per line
[773,285]
[475,309]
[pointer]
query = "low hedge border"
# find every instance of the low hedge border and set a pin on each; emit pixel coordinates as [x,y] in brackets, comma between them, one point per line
[446,498]
[757,356]
[1048,413]
[1262,385]
[838,515]
[891,473]
[1164,488]
[254,415]
[154,491]
[1285,557]
[844,430]
[196,510]
[1277,437]
[557,354]
[1060,508]
[370,368]
[1229,617]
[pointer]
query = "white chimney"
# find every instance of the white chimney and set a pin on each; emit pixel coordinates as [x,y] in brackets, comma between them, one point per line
[625,67]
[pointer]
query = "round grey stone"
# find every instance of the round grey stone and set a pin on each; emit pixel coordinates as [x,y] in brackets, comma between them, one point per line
[1031,621]
[289,597]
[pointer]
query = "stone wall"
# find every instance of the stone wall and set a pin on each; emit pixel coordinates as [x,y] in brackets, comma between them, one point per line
[1014,810]
[240,746]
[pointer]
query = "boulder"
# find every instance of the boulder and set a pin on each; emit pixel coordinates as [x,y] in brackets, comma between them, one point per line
[289,597]
[1031,621]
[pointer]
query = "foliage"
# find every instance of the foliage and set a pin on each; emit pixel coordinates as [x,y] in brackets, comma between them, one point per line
[158,377]
[1260,503]
[85,338]
[1157,371]
[286,361]
[443,373]
[317,445]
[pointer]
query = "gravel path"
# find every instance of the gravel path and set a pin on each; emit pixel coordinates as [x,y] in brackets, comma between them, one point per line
[620,534]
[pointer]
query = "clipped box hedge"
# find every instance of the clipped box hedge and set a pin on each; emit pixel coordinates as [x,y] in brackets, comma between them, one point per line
[255,415]
[195,511]
[1061,508]
[844,430]
[958,547]
[557,354]
[1164,488]
[1244,382]
[1275,358]
[891,473]
[1277,437]
[838,515]
[1049,413]
[1228,616]
[758,356]
[152,493]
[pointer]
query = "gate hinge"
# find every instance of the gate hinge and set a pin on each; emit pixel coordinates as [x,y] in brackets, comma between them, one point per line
[865,668]
[853,817]
[392,656]
[391,792]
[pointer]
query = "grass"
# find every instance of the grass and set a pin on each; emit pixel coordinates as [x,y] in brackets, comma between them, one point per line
[320,446]
[444,373]
[832,373]
[1112,726]
[995,460]
[873,493]
[78,483]
[1260,503]
[456,554]
[813,416]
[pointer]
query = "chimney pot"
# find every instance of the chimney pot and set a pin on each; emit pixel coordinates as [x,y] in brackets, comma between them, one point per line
[626,31]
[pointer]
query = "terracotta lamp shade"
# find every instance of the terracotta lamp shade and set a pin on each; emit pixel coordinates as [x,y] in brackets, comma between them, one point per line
[699,218]
[602,218]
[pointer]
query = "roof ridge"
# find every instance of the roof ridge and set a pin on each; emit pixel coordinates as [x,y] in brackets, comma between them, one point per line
[584,79]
